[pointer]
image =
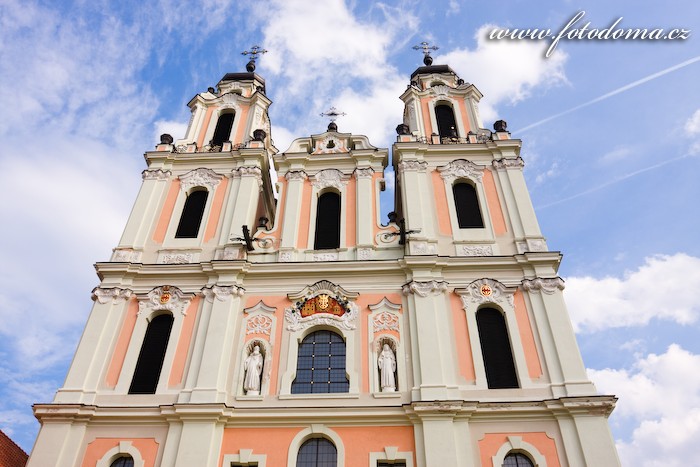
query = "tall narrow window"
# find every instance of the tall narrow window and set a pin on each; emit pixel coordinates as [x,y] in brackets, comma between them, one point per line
[222,132]
[327,222]
[447,128]
[123,461]
[192,214]
[496,350]
[150,361]
[467,206]
[517,460]
[321,365]
[317,452]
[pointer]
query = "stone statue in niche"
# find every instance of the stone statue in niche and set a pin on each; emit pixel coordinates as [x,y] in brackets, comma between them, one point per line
[253,369]
[387,369]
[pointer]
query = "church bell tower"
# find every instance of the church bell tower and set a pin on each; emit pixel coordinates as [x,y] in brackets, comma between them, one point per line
[246,322]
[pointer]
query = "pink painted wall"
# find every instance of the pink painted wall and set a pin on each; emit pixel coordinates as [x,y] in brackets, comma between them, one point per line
[492,442]
[216,207]
[499,222]
[461,331]
[304,216]
[527,337]
[183,344]
[119,354]
[441,205]
[148,447]
[167,212]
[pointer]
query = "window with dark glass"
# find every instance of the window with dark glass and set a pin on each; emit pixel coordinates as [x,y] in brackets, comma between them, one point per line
[391,464]
[467,206]
[517,460]
[321,365]
[447,128]
[327,222]
[317,452]
[192,214]
[150,361]
[496,350]
[222,132]
[123,461]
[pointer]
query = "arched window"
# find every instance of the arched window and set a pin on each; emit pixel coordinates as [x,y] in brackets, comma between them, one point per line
[447,128]
[321,365]
[151,356]
[317,452]
[517,460]
[222,132]
[327,221]
[496,350]
[123,461]
[192,214]
[467,206]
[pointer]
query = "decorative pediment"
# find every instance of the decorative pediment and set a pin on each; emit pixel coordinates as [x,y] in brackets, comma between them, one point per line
[167,298]
[486,291]
[200,177]
[322,303]
[461,168]
[330,144]
[330,178]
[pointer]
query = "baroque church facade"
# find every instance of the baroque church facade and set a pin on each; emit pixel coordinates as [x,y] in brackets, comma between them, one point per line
[241,322]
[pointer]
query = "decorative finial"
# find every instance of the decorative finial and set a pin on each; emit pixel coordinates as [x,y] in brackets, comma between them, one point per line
[426,48]
[253,52]
[333,114]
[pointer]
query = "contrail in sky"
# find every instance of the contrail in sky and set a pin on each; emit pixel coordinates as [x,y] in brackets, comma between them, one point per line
[613,181]
[612,93]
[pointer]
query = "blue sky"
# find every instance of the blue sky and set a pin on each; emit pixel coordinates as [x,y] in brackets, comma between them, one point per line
[87,87]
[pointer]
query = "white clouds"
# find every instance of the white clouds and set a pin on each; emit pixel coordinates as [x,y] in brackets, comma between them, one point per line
[661,289]
[326,55]
[505,71]
[692,125]
[661,396]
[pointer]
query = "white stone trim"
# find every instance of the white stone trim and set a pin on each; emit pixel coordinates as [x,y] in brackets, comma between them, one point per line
[392,454]
[316,430]
[124,447]
[517,445]
[546,285]
[203,177]
[221,292]
[260,306]
[423,289]
[245,457]
[115,294]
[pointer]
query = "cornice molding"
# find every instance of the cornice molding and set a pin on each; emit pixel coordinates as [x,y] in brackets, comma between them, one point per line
[545,285]
[115,294]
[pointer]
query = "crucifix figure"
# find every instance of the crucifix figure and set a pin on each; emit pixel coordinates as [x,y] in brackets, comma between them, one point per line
[426,48]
